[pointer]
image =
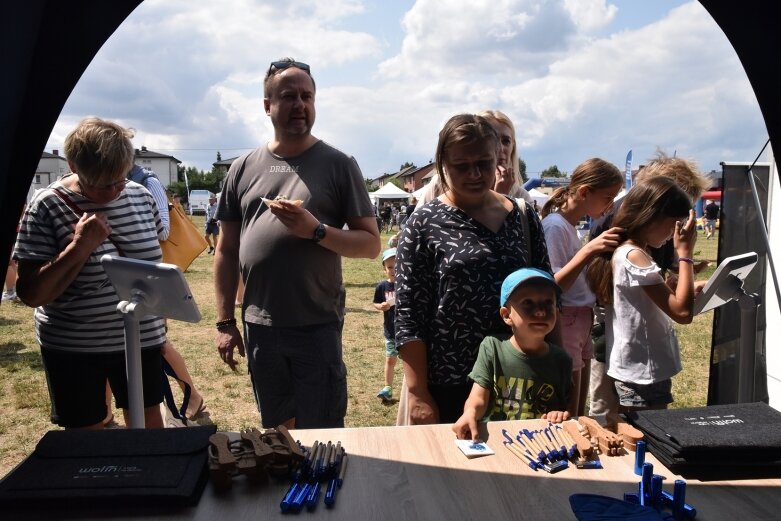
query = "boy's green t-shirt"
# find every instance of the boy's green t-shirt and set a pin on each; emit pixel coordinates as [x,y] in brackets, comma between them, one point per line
[522,387]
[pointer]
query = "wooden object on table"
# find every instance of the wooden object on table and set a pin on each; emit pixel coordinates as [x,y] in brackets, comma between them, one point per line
[610,443]
[584,445]
[628,433]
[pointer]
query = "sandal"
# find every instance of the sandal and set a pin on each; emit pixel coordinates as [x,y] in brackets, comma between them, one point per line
[199,411]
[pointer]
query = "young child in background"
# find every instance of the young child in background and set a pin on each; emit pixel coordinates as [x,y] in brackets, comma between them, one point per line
[211,227]
[643,353]
[523,377]
[593,186]
[385,301]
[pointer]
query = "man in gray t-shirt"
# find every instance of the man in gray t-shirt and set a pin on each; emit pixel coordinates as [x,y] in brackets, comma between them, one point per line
[289,253]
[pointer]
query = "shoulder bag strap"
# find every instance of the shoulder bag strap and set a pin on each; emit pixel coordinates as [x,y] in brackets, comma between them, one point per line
[522,204]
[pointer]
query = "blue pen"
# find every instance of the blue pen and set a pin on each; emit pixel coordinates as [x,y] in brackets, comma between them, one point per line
[550,455]
[298,502]
[342,470]
[572,450]
[317,467]
[527,450]
[559,454]
[550,431]
[553,454]
[532,463]
[324,462]
[330,494]
[540,455]
[289,497]
[314,493]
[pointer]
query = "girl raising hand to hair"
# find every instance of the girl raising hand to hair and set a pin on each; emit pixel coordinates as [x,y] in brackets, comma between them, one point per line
[643,353]
[592,188]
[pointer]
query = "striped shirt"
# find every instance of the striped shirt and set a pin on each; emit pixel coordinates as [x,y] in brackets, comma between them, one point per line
[85,316]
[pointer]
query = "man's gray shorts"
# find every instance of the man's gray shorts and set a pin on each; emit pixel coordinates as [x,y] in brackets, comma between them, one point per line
[298,373]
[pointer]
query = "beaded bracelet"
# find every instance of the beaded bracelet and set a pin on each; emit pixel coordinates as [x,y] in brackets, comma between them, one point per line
[223,325]
[686,259]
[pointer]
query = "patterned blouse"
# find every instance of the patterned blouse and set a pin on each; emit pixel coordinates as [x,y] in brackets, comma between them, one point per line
[449,270]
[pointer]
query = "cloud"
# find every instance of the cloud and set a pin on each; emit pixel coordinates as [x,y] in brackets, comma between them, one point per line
[188,76]
[673,83]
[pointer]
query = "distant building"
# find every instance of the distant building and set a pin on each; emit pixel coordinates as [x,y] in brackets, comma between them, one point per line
[224,164]
[411,178]
[166,167]
[51,167]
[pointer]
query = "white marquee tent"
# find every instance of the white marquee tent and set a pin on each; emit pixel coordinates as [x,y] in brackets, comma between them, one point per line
[389,191]
[538,196]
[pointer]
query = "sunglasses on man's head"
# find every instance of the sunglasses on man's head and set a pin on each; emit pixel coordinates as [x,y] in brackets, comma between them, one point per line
[282,65]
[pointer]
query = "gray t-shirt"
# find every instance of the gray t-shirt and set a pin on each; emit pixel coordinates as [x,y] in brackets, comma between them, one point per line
[292,282]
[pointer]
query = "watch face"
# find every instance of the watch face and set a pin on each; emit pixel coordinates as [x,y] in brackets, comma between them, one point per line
[319,232]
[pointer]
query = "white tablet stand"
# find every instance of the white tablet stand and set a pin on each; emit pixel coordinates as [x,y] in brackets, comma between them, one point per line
[146,288]
[724,286]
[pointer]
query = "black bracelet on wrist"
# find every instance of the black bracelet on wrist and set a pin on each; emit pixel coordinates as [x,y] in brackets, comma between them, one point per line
[223,325]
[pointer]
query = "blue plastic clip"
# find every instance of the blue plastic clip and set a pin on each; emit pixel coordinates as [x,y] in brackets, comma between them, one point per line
[656,491]
[689,512]
[639,457]
[679,498]
[645,484]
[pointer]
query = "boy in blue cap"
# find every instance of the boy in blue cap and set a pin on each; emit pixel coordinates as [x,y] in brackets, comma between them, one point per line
[523,377]
[385,301]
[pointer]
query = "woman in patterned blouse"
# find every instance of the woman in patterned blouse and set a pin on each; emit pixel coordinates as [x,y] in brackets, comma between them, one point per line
[452,258]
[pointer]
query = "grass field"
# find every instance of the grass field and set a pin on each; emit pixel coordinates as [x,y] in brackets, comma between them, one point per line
[24,401]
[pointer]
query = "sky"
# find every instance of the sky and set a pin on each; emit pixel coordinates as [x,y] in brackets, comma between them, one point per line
[578,78]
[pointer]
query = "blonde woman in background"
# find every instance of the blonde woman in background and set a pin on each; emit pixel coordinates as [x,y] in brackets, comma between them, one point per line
[508,171]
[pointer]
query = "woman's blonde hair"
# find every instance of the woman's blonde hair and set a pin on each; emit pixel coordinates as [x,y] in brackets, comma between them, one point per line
[646,203]
[501,117]
[100,150]
[592,173]
[462,129]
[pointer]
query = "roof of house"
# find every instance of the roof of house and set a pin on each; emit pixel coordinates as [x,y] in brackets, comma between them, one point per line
[47,155]
[146,153]
[225,162]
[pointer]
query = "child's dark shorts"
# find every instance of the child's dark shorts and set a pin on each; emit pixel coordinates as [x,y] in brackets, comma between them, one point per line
[390,347]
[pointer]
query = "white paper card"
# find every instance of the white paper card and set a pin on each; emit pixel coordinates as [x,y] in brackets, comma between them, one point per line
[473,449]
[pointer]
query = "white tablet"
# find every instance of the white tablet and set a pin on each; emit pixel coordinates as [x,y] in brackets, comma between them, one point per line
[725,282]
[161,288]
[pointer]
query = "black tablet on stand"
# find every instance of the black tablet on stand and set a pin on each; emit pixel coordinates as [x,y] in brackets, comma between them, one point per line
[146,288]
[726,285]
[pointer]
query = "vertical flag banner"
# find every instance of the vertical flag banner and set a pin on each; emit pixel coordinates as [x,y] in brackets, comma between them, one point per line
[628,170]
[187,188]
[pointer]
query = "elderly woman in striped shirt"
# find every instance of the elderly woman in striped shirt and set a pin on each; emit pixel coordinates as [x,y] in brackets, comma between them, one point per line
[65,230]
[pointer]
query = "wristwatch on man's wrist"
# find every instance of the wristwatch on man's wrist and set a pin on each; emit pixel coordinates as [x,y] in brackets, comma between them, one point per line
[319,233]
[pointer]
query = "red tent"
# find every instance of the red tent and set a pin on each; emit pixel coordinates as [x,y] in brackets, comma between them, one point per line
[712,195]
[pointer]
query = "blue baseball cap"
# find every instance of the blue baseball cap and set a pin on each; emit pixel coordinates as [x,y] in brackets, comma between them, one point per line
[387,254]
[522,275]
